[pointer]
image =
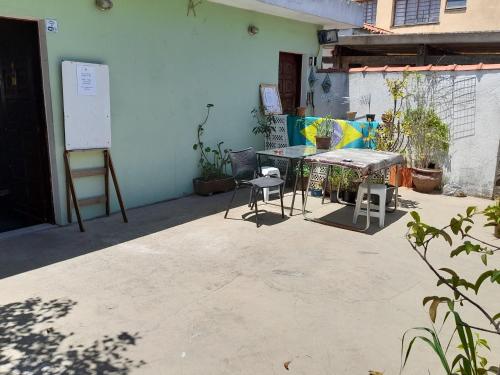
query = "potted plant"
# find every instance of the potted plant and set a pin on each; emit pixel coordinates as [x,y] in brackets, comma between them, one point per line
[324,130]
[429,140]
[306,172]
[266,124]
[390,134]
[350,183]
[492,214]
[213,163]
[334,182]
[380,179]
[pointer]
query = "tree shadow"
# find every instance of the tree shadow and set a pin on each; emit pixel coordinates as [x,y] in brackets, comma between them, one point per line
[30,345]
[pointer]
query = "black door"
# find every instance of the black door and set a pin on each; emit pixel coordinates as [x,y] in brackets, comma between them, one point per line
[25,187]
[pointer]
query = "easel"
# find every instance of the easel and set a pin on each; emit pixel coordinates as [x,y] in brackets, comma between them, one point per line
[71,198]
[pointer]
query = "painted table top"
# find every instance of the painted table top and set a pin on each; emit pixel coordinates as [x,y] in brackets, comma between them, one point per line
[365,161]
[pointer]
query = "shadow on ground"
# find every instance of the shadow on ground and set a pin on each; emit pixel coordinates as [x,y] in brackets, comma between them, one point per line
[30,345]
[31,251]
[344,216]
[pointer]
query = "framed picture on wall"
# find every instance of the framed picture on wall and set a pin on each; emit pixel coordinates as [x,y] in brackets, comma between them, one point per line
[271,100]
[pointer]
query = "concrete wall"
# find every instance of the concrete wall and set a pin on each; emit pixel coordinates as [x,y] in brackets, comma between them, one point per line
[480,15]
[473,153]
[165,67]
[333,103]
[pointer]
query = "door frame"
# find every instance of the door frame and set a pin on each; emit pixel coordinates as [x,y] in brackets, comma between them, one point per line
[48,113]
[303,75]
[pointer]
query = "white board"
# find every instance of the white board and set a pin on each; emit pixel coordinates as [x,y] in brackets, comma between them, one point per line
[87,108]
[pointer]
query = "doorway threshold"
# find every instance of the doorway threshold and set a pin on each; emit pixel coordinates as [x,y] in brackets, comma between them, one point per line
[26,230]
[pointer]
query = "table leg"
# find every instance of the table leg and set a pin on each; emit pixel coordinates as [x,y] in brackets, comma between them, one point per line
[294,190]
[326,184]
[304,202]
[301,165]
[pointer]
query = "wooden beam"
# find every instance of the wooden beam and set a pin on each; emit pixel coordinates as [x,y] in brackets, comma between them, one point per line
[88,172]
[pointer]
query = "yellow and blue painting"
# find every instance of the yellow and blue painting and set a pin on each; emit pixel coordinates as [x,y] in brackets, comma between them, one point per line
[345,134]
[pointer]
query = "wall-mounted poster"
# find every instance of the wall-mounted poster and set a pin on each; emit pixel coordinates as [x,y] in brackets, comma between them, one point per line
[271,101]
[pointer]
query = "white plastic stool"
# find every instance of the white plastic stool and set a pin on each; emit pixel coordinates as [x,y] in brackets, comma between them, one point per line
[375,189]
[274,172]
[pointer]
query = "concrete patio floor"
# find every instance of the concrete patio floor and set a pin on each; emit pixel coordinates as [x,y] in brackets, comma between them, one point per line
[180,290]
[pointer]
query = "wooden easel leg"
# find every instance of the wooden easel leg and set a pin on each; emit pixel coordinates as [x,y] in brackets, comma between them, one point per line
[106,181]
[72,190]
[69,212]
[117,188]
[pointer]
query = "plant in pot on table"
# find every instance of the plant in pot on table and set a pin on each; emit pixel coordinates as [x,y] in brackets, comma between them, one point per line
[429,141]
[213,165]
[324,130]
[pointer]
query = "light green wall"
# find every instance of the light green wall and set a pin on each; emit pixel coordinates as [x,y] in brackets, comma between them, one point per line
[164,68]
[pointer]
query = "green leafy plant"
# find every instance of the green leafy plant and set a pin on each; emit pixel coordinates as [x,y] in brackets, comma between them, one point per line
[428,135]
[492,214]
[471,359]
[213,160]
[335,178]
[266,124]
[324,127]
[390,135]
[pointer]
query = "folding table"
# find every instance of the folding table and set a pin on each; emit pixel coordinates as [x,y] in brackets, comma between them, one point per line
[365,162]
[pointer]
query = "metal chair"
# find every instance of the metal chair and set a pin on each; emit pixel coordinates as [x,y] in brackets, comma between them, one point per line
[245,172]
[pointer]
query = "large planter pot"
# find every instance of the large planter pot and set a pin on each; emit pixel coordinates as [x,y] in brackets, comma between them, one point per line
[349,196]
[303,183]
[202,187]
[426,180]
[375,199]
[403,178]
[333,196]
[323,143]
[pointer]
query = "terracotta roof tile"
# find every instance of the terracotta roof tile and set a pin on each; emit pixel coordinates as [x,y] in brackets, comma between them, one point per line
[427,68]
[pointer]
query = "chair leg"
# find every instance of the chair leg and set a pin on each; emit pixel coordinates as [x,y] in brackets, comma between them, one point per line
[230,202]
[381,209]
[359,202]
[256,198]
[282,207]
[250,199]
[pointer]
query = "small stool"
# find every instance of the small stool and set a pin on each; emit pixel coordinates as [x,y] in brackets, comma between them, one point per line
[270,172]
[375,189]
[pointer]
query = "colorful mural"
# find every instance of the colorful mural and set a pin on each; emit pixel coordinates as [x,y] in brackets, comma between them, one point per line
[345,134]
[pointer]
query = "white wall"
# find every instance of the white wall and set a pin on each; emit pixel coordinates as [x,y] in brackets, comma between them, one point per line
[473,156]
[334,102]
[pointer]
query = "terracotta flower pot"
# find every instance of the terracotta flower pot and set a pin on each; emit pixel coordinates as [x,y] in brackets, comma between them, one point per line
[403,179]
[202,187]
[426,180]
[323,143]
[301,111]
[351,116]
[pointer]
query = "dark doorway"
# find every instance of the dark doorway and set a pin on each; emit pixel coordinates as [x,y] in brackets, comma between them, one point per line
[289,81]
[25,187]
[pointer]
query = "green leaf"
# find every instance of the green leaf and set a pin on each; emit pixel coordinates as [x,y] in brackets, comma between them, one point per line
[481,279]
[484,259]
[496,317]
[195,147]
[471,211]
[415,216]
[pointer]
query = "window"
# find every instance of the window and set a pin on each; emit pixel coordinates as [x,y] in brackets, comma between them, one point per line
[456,4]
[370,11]
[415,12]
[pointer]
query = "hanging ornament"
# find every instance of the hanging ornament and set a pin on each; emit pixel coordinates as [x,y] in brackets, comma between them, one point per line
[327,84]
[312,78]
